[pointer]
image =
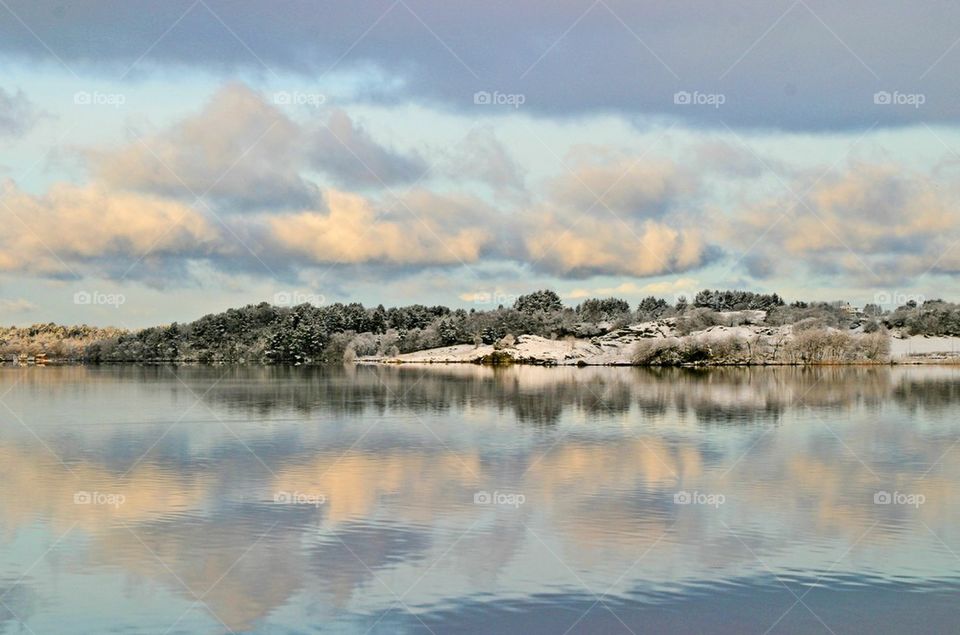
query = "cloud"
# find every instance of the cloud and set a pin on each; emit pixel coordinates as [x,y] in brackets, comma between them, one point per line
[605,246]
[657,215]
[426,230]
[346,151]
[805,66]
[483,157]
[238,149]
[735,161]
[18,305]
[246,154]
[128,211]
[875,221]
[17,114]
[70,226]
[617,215]
[600,179]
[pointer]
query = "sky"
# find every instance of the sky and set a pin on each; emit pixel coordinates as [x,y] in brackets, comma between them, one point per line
[160,161]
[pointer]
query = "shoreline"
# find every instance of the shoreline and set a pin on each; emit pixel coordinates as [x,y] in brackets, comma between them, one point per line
[901,362]
[911,361]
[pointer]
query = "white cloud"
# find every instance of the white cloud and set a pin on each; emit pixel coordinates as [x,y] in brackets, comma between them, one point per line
[426,230]
[71,225]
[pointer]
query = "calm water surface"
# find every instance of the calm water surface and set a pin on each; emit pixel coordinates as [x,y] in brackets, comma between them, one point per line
[462,499]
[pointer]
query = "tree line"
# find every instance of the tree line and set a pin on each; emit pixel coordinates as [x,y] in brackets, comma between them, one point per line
[320,334]
[308,334]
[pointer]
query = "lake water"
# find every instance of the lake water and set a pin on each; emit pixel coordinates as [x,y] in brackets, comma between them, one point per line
[462,499]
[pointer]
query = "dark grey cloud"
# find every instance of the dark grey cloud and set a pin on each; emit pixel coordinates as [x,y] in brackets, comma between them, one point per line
[809,64]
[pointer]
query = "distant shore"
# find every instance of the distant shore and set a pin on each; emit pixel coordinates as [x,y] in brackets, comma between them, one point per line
[538,330]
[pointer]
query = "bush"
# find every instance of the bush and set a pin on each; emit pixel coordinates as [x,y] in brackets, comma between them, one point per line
[657,352]
[814,345]
[697,320]
[827,314]
[674,351]
[728,349]
[809,323]
[693,350]
[364,345]
[874,346]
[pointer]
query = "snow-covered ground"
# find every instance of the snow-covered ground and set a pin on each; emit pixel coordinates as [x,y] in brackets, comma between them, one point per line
[529,349]
[614,348]
[618,346]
